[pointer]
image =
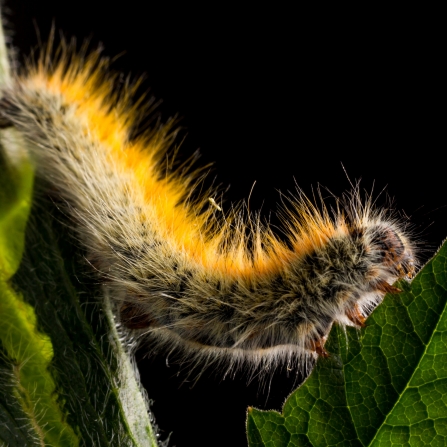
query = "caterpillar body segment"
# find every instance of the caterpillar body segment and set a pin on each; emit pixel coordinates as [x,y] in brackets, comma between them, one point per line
[219,290]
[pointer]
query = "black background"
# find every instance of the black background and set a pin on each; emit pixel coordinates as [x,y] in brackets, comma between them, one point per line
[278,97]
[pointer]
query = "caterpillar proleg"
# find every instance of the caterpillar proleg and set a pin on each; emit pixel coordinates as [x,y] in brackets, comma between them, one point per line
[219,287]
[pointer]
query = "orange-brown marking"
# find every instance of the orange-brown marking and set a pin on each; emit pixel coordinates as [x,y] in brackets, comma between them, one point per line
[318,347]
[356,316]
[383,286]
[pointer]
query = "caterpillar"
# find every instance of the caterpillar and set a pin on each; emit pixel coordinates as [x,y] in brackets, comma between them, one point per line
[219,287]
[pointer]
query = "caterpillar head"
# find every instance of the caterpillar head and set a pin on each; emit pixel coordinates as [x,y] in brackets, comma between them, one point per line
[391,257]
[393,251]
[388,256]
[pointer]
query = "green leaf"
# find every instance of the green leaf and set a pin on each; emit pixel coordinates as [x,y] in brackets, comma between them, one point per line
[90,365]
[383,386]
[16,183]
[66,379]
[29,412]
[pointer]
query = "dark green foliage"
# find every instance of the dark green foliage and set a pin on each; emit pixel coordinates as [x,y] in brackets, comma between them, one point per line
[383,386]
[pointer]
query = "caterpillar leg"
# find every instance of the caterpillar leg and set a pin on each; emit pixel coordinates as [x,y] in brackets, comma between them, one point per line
[356,316]
[317,346]
[133,318]
[383,286]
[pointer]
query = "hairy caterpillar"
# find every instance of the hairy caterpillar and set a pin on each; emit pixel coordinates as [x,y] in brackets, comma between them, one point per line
[218,288]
